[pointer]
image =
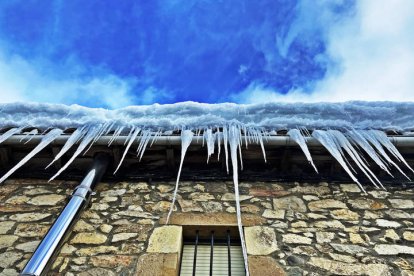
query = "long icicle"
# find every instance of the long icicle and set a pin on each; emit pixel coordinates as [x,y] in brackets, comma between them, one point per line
[10,133]
[46,140]
[186,138]
[131,140]
[92,132]
[296,136]
[234,141]
[76,135]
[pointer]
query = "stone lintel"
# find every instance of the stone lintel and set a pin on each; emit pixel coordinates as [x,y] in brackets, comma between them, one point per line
[213,219]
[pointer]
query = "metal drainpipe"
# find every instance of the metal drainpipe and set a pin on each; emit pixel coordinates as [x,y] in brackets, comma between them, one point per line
[50,245]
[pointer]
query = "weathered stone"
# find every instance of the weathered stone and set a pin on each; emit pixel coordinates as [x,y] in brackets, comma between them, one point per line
[82,226]
[96,250]
[387,223]
[260,240]
[398,214]
[393,249]
[316,216]
[197,196]
[231,197]
[326,204]
[311,189]
[349,248]
[111,261]
[279,224]
[335,224]
[344,214]
[274,214]
[305,250]
[295,260]
[67,249]
[341,268]
[97,272]
[131,213]
[350,188]
[161,206]
[17,200]
[123,236]
[9,272]
[299,224]
[408,236]
[216,187]
[131,248]
[166,239]
[118,192]
[106,228]
[31,230]
[37,191]
[250,208]
[356,239]
[379,194]
[296,239]
[141,186]
[293,203]
[212,206]
[7,259]
[372,215]
[29,216]
[107,199]
[366,204]
[402,203]
[99,206]
[6,226]
[88,238]
[343,258]
[157,264]
[47,200]
[189,206]
[262,265]
[390,234]
[28,246]
[324,237]
[267,191]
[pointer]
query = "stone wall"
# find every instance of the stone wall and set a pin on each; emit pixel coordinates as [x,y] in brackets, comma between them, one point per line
[290,228]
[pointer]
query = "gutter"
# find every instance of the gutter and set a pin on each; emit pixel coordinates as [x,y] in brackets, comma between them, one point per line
[175,140]
[49,247]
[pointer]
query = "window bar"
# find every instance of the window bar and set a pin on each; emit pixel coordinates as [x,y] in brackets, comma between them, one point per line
[211,253]
[228,252]
[195,254]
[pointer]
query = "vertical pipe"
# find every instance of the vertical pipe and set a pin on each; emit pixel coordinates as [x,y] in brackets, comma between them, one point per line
[50,246]
[228,253]
[211,253]
[195,254]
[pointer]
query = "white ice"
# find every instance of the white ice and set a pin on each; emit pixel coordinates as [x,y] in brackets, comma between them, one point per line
[300,140]
[186,138]
[46,140]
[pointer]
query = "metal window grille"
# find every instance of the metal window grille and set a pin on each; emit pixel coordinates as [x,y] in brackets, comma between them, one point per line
[212,256]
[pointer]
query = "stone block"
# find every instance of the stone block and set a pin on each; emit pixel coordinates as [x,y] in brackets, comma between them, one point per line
[263,265]
[166,239]
[156,264]
[293,203]
[260,240]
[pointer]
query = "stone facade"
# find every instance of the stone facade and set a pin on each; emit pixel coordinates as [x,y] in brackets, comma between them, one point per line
[290,228]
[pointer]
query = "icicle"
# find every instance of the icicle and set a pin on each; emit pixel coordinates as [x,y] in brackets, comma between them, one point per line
[102,130]
[10,133]
[325,139]
[385,141]
[377,145]
[296,136]
[92,132]
[218,134]
[148,138]
[46,140]
[225,142]
[186,139]
[30,134]
[345,144]
[210,140]
[131,140]
[260,137]
[364,144]
[234,142]
[155,138]
[117,132]
[76,135]
[129,135]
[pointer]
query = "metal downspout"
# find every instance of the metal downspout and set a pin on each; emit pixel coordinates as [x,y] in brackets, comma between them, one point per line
[49,247]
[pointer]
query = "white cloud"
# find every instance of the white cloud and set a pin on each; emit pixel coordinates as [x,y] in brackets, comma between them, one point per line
[373,52]
[21,80]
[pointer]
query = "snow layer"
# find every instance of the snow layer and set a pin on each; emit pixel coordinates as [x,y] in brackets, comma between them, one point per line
[191,115]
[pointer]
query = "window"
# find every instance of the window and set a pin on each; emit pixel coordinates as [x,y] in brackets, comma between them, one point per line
[209,251]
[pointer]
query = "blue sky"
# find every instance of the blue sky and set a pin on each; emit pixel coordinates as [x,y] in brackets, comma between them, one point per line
[117,53]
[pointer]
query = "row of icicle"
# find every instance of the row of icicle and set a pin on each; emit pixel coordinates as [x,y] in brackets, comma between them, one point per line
[342,146]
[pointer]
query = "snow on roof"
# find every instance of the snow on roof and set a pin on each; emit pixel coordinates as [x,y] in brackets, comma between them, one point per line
[191,115]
